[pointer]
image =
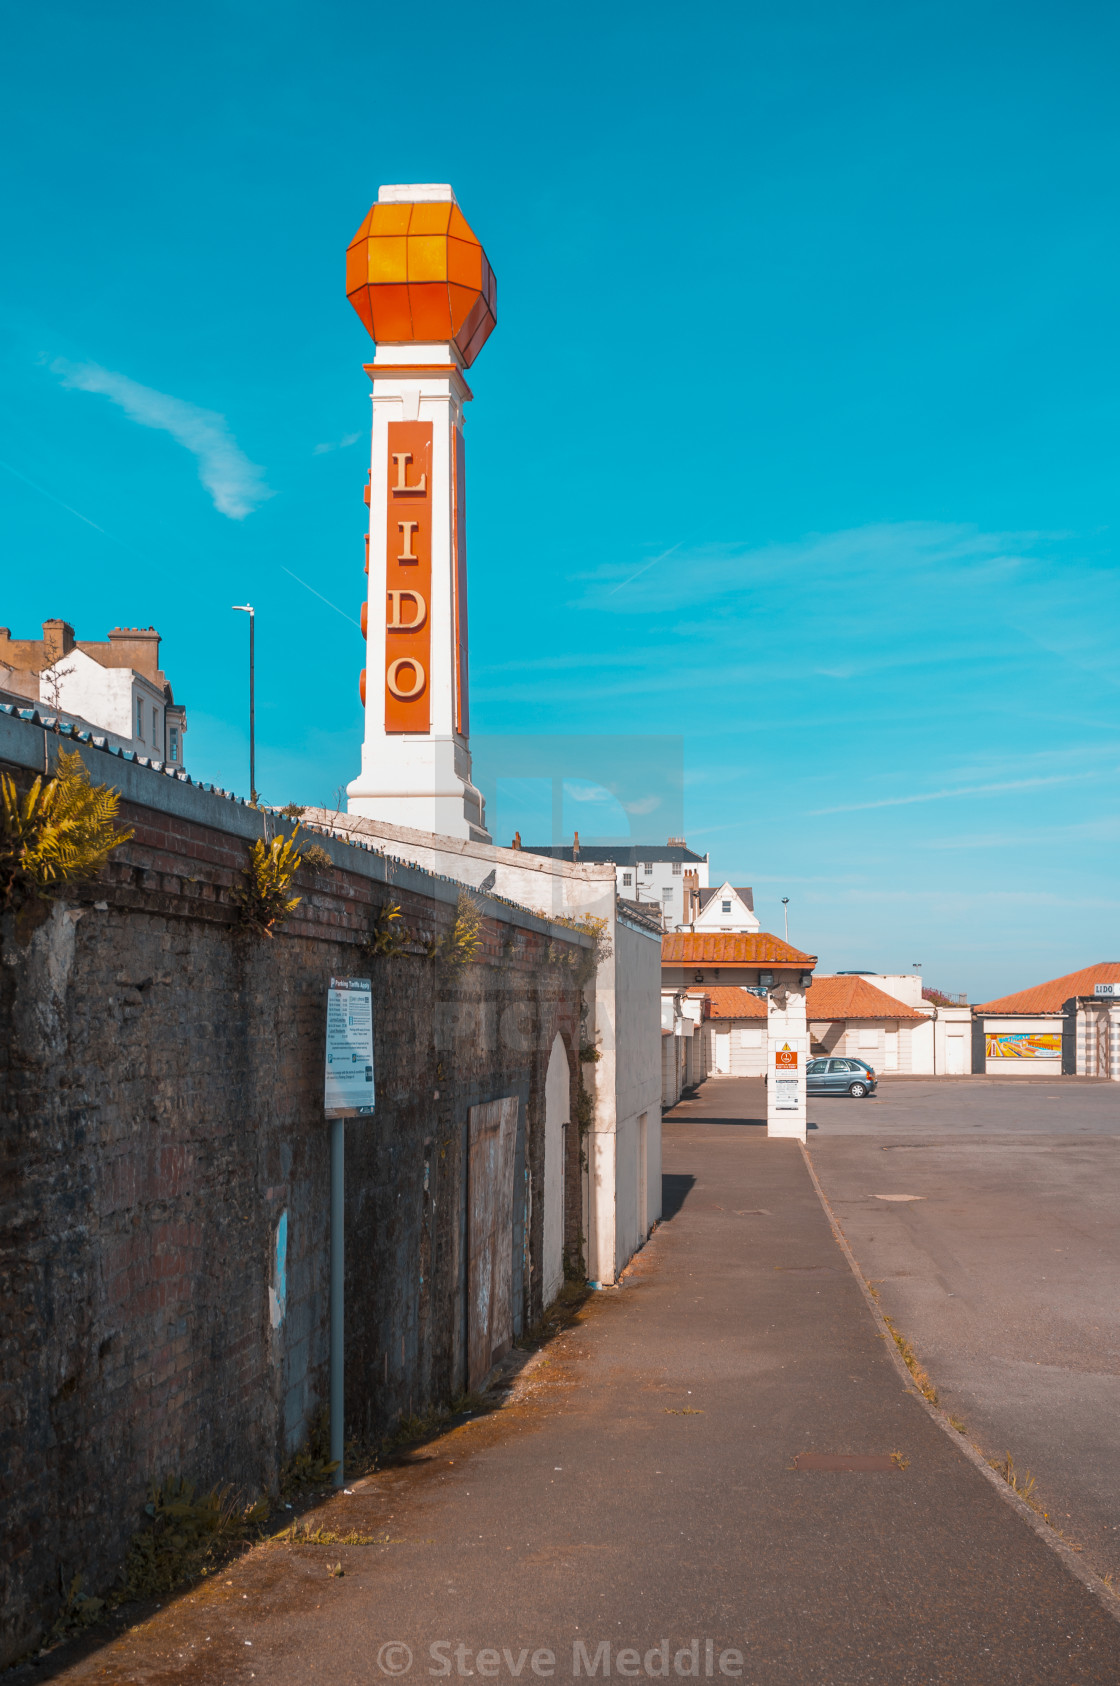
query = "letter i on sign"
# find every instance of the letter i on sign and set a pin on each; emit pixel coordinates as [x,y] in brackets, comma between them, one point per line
[408,578]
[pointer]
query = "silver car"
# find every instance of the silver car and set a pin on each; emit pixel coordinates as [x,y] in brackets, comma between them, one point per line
[840,1077]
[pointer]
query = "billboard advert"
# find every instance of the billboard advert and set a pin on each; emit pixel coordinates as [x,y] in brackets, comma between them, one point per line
[1025,1045]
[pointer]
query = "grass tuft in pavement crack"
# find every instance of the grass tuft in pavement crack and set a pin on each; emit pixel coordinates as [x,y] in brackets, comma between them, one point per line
[1024,1486]
[921,1378]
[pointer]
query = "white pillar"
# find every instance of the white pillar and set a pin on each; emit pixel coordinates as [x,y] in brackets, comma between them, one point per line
[419,777]
[787,1051]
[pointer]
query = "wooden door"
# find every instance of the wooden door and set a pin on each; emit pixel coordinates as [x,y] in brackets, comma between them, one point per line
[493,1141]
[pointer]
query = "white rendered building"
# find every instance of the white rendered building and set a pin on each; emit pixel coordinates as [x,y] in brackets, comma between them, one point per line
[730,908]
[114,687]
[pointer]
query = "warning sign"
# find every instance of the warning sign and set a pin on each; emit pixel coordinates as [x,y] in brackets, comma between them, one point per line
[785,1059]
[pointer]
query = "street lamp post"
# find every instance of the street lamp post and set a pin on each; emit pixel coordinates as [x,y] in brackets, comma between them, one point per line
[785,912]
[247,609]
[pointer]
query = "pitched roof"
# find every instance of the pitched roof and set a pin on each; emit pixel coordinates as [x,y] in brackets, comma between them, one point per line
[847,997]
[730,948]
[731,1002]
[743,891]
[1051,997]
[644,914]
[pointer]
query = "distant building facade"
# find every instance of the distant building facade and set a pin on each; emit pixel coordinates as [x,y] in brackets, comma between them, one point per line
[734,1030]
[1069,1026]
[848,1015]
[730,908]
[113,686]
[660,876]
[683,1046]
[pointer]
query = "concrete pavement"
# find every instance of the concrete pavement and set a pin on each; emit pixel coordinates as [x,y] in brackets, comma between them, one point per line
[640,1493]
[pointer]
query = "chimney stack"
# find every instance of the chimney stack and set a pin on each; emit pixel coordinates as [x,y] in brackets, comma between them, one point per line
[58,640]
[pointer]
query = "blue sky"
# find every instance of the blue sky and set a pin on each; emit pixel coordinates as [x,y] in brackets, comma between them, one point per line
[796,438]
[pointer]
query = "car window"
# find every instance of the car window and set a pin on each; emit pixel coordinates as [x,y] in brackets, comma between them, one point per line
[840,1065]
[815,1067]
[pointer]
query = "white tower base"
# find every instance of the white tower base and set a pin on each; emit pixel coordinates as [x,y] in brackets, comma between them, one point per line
[422,782]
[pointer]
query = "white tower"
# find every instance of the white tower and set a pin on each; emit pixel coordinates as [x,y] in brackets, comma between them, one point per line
[419,279]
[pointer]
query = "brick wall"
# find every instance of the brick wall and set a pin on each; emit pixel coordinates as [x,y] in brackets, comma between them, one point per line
[164,1166]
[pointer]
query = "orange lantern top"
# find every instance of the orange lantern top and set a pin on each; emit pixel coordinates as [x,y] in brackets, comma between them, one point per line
[416,272]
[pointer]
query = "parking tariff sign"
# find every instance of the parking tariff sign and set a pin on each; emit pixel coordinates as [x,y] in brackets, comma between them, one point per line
[348,1088]
[787,1084]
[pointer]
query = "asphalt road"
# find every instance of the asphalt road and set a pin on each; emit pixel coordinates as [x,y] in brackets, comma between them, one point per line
[640,1492]
[1003,1271]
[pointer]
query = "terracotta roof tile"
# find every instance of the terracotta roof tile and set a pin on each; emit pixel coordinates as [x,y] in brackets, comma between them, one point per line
[855,998]
[730,948]
[1051,997]
[731,1002]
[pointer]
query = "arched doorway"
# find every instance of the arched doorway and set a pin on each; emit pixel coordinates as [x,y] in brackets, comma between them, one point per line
[556,1115]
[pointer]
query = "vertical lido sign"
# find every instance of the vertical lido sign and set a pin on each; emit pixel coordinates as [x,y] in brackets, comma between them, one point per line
[408,578]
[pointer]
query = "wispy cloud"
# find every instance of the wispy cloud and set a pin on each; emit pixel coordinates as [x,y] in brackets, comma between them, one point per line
[941,795]
[236,485]
[339,445]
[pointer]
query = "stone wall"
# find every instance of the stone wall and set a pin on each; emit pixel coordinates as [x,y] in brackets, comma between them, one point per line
[164,1169]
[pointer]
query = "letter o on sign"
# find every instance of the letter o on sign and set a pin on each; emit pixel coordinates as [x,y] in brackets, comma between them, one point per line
[393,678]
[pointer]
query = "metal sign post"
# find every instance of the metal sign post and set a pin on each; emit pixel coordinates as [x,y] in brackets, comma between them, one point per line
[348,1092]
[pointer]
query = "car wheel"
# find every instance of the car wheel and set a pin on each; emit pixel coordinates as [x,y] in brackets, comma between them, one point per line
[857,1091]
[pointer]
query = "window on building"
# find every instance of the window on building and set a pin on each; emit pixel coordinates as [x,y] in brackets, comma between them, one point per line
[676,869]
[667,893]
[627,880]
[647,868]
[725,907]
[139,718]
[173,743]
[155,727]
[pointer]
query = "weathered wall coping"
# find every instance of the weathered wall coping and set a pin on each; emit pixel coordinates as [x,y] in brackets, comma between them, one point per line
[31,740]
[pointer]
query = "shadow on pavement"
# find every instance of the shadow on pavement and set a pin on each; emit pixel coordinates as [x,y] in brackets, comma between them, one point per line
[693,1118]
[675,1190]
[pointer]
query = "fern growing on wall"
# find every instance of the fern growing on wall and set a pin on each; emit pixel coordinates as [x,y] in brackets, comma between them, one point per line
[58,833]
[263,898]
[464,940]
[388,936]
